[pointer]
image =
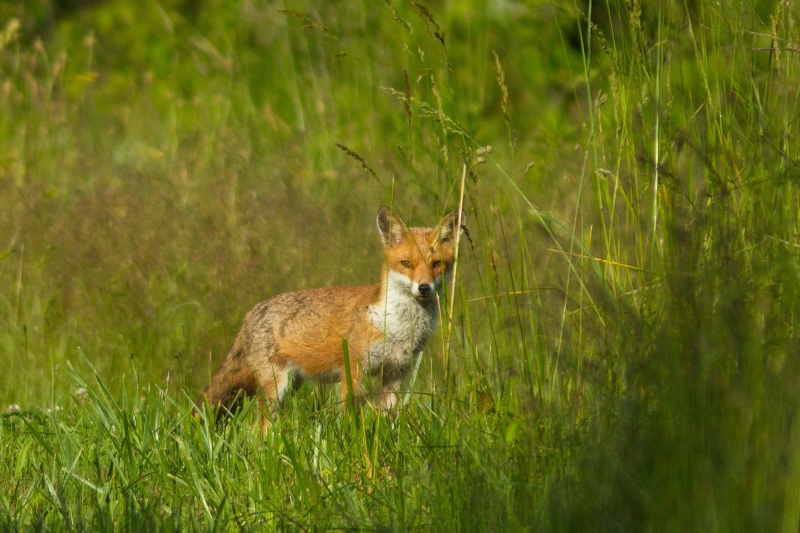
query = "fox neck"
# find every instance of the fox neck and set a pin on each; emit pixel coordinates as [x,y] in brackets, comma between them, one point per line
[404,320]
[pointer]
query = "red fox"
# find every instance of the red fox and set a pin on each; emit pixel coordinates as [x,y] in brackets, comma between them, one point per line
[298,336]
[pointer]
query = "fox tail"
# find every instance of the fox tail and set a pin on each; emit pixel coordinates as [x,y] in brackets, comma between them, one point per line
[233,381]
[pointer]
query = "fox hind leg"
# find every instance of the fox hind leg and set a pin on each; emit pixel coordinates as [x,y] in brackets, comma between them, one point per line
[274,382]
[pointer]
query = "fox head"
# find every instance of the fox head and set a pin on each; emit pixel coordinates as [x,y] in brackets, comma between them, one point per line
[419,259]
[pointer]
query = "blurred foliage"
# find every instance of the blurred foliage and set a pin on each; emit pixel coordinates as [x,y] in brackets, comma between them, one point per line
[179,152]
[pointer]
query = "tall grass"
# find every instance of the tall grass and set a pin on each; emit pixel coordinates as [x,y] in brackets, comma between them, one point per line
[621,353]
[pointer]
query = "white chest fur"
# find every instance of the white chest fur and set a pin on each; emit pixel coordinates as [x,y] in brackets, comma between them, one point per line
[406,324]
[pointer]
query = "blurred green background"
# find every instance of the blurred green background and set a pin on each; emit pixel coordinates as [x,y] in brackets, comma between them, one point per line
[168,164]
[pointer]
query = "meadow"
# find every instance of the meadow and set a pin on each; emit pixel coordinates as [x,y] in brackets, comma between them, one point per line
[619,352]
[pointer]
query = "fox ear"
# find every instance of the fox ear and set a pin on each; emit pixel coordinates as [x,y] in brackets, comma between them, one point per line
[392,229]
[451,225]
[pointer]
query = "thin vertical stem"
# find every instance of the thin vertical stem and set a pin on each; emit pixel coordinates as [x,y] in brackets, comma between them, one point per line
[656,144]
[455,269]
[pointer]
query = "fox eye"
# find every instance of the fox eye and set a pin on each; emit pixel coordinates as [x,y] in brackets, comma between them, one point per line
[405,263]
[436,264]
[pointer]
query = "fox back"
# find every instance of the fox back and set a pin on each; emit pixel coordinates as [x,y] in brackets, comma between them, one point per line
[302,335]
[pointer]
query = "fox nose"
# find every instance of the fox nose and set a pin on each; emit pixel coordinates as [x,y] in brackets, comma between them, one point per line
[425,289]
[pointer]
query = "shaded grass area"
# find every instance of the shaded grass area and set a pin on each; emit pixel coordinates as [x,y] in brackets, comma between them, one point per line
[622,353]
